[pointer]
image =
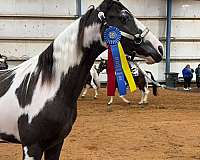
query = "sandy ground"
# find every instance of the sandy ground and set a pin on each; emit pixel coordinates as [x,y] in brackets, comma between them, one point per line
[167,128]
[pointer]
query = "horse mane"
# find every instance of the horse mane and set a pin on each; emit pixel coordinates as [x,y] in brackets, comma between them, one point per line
[45,64]
[82,24]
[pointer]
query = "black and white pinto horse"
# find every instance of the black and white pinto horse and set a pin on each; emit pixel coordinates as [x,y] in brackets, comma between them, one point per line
[38,98]
[93,81]
[140,81]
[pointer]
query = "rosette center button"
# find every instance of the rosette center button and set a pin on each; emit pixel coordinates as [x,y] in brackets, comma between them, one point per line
[112,35]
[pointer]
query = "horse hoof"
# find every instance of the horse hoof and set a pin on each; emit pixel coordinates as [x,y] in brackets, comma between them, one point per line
[140,103]
[95,97]
[145,102]
[109,109]
[83,96]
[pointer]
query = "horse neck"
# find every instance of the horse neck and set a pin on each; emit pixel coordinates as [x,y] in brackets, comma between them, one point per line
[74,64]
[67,54]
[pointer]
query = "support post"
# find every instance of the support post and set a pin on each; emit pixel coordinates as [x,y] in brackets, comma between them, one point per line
[168,35]
[78,7]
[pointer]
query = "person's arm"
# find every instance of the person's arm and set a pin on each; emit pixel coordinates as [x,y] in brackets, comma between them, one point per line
[196,70]
[183,72]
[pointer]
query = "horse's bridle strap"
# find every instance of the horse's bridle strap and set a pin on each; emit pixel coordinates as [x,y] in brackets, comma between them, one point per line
[102,18]
[127,35]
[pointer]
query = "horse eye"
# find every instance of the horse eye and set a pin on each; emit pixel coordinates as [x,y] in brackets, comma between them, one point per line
[140,31]
[124,17]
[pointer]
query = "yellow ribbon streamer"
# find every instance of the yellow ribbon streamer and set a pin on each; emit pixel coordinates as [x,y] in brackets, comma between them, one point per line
[126,69]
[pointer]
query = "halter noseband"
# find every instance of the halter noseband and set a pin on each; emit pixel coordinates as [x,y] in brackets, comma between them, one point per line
[137,38]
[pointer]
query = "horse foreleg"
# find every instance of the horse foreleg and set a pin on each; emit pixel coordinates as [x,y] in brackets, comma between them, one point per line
[33,152]
[95,87]
[146,95]
[53,153]
[125,100]
[109,108]
[142,98]
[85,90]
[111,100]
[96,93]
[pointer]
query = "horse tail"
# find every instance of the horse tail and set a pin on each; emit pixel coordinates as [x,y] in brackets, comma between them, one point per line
[155,92]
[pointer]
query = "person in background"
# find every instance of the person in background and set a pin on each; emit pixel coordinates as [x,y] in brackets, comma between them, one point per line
[197,72]
[187,75]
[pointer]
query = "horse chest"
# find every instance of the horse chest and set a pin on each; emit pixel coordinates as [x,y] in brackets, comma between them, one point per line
[53,122]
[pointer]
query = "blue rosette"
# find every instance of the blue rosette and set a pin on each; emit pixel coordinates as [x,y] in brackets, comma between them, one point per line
[112,36]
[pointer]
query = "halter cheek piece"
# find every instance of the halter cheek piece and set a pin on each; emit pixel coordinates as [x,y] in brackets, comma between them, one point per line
[137,38]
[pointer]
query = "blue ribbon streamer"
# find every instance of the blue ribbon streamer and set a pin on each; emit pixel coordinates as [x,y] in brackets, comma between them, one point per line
[112,36]
[118,70]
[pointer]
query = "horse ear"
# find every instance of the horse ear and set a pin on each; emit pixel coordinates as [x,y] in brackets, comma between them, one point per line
[105,5]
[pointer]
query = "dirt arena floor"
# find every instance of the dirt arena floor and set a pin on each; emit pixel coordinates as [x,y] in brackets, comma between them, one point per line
[168,128]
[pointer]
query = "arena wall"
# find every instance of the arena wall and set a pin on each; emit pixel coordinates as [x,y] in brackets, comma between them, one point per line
[28,26]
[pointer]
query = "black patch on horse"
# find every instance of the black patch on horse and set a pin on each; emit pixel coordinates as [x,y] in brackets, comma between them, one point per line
[6,79]
[26,89]
[45,64]
[8,138]
[56,117]
[89,79]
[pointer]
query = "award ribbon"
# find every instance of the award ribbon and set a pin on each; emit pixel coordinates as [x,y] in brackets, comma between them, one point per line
[112,36]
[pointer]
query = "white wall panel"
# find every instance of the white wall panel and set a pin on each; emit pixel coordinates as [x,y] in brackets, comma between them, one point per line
[51,28]
[186,28]
[32,27]
[157,69]
[139,8]
[180,28]
[186,8]
[22,49]
[157,27]
[38,7]
[185,50]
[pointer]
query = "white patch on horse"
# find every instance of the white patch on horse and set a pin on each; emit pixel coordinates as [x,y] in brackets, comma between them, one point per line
[145,94]
[11,112]
[91,34]
[26,156]
[95,77]
[95,85]
[150,36]
[66,54]
[42,94]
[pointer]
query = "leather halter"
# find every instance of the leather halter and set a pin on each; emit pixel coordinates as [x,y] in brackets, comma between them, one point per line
[137,38]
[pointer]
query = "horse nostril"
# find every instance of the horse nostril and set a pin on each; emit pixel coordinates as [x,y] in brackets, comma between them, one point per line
[160,48]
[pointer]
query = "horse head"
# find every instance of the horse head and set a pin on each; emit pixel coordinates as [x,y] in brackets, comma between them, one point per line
[135,36]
